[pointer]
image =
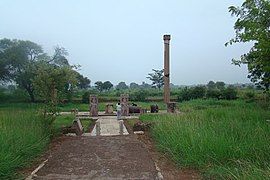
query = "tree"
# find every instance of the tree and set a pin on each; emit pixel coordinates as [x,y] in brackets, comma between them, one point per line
[253,25]
[198,92]
[157,78]
[121,86]
[134,85]
[220,85]
[83,82]
[145,85]
[107,85]
[99,86]
[18,59]
[52,83]
[6,65]
[211,85]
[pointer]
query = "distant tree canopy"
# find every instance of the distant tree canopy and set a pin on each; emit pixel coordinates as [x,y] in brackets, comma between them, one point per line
[157,78]
[253,25]
[220,85]
[134,85]
[83,82]
[26,64]
[121,86]
[98,86]
[145,85]
[106,86]
[211,85]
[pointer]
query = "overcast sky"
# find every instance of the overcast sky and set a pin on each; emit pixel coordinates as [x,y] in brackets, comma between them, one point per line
[121,40]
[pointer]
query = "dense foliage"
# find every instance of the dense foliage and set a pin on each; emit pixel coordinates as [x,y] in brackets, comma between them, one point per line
[252,25]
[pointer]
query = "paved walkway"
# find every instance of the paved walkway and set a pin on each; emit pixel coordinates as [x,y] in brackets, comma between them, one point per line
[109,126]
[99,157]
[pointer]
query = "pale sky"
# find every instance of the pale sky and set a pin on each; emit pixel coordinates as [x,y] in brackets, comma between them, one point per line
[121,40]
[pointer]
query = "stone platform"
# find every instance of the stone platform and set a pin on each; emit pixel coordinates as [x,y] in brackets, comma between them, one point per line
[109,126]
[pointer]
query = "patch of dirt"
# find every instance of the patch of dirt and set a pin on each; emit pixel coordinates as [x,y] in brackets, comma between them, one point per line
[169,169]
[55,142]
[119,157]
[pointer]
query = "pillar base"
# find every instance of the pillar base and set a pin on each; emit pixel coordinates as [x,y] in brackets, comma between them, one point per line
[171,107]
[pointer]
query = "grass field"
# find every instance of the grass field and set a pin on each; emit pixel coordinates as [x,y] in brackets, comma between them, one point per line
[223,139]
[24,135]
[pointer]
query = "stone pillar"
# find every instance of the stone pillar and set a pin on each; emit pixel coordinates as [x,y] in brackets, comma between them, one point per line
[93,105]
[167,39]
[124,105]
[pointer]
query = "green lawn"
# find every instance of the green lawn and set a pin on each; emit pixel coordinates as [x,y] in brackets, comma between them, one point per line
[223,139]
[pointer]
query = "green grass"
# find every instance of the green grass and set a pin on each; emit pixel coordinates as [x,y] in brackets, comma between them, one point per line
[23,136]
[223,139]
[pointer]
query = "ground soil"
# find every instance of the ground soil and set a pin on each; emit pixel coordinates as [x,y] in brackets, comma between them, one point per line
[115,157]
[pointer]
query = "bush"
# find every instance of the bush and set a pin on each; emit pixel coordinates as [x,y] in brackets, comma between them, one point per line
[187,94]
[229,93]
[213,93]
[198,92]
[139,95]
[249,96]
[85,97]
[184,95]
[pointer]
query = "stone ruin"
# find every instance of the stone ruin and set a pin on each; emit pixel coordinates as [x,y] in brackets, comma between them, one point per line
[171,107]
[109,108]
[154,108]
[124,105]
[93,100]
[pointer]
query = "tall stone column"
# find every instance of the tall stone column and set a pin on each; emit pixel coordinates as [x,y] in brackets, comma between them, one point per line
[167,39]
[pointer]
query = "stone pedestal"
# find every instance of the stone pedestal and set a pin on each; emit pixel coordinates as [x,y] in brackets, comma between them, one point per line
[124,105]
[93,105]
[109,108]
[171,107]
[154,108]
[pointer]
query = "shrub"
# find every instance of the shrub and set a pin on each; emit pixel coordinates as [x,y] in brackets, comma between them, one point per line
[229,93]
[249,96]
[139,95]
[213,93]
[85,97]
[187,94]
[184,95]
[198,92]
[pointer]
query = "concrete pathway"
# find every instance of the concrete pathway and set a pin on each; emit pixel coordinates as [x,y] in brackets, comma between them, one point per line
[99,157]
[109,126]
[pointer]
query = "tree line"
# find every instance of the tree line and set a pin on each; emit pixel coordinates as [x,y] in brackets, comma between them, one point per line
[26,64]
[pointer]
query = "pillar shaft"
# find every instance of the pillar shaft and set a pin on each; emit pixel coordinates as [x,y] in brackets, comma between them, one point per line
[166,39]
